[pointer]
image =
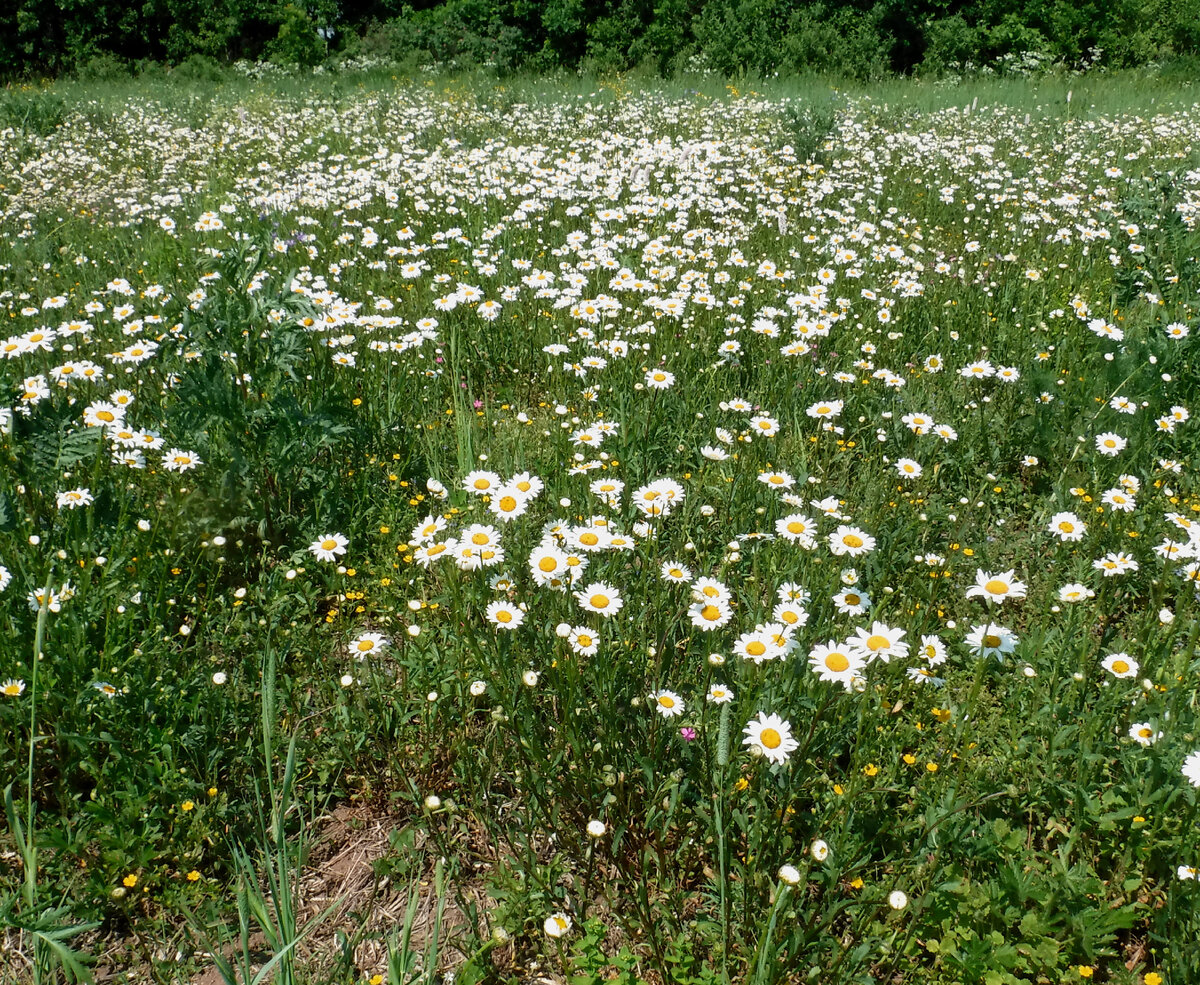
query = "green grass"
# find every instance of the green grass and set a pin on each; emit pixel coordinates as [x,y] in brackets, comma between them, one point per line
[940,817]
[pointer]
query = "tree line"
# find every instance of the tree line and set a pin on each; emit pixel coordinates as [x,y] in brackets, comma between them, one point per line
[857,38]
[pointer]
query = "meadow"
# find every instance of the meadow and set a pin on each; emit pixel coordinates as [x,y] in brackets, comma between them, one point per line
[590,530]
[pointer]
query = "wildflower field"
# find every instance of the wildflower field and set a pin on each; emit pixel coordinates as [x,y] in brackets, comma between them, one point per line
[638,534]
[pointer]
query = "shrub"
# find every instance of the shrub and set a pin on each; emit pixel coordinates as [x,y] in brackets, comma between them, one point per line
[297,42]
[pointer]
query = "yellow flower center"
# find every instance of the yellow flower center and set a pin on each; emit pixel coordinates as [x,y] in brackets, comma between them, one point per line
[710,612]
[852,540]
[852,599]
[504,616]
[508,503]
[584,640]
[547,564]
[589,539]
[328,545]
[756,649]
[599,601]
[770,738]
[1120,667]
[365,646]
[991,641]
[996,587]
[666,701]
[796,527]
[479,539]
[837,662]
[877,642]
[482,484]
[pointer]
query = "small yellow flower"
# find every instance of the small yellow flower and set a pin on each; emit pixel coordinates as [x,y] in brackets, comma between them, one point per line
[130,880]
[1086,971]
[193,876]
[187,805]
[856,883]
[931,767]
[377,980]
[212,791]
[870,769]
[909,758]
[741,785]
[1153,978]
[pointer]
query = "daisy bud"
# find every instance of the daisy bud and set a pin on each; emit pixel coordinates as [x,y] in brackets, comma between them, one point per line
[897,899]
[789,874]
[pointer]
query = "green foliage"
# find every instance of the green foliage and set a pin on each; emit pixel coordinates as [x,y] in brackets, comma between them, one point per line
[856,39]
[297,42]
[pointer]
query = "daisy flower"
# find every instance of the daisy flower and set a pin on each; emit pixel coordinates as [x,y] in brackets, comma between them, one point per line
[600,597]
[546,563]
[799,529]
[1075,592]
[1120,665]
[763,643]
[834,663]
[1144,734]
[675,571]
[1066,527]
[852,603]
[996,587]
[792,615]
[367,644]
[719,694]
[481,483]
[709,615]
[850,541]
[932,650]
[12,688]
[991,640]
[1115,563]
[329,547]
[880,642]
[508,503]
[667,703]
[583,641]
[504,615]
[773,737]
[1191,769]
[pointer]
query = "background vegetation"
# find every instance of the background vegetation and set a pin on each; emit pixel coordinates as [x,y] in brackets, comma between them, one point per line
[859,38]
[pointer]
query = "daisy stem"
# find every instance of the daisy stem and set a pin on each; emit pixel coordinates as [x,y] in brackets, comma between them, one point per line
[973,700]
[31,853]
[718,815]
[764,947]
